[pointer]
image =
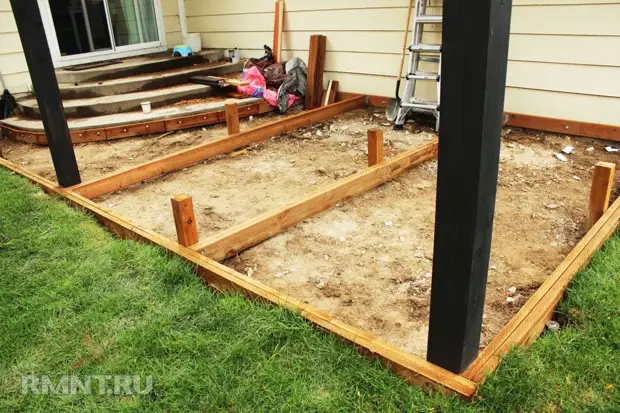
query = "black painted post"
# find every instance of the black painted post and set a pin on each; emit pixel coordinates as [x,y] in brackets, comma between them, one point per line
[475,54]
[39,59]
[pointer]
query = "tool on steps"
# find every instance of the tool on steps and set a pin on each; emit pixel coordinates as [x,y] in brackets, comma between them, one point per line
[215,81]
[418,52]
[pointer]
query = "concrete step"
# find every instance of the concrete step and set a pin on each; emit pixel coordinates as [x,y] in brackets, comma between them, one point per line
[145,82]
[130,118]
[148,81]
[137,66]
[116,104]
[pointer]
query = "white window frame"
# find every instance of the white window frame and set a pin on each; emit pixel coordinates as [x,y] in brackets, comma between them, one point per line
[116,52]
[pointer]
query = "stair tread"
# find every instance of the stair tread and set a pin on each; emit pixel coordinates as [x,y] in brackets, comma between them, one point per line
[144,95]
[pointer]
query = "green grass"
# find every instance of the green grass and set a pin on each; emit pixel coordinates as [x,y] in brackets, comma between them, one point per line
[74,300]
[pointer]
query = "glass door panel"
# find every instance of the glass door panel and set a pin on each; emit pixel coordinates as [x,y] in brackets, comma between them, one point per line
[133,21]
[81,26]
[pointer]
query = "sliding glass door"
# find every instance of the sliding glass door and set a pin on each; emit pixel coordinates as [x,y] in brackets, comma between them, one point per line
[83,31]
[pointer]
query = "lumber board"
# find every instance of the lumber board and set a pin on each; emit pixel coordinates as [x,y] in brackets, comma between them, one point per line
[529,322]
[232,118]
[278,25]
[160,166]
[375,146]
[414,369]
[184,220]
[571,127]
[600,192]
[246,234]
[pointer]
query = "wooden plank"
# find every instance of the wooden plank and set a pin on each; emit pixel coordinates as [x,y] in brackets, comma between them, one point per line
[571,127]
[160,166]
[414,369]
[375,146]
[320,70]
[467,175]
[313,61]
[278,24]
[41,68]
[184,220]
[246,234]
[330,94]
[137,129]
[600,191]
[232,118]
[529,321]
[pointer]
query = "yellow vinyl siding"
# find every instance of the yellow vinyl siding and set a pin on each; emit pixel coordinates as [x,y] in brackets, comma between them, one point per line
[564,56]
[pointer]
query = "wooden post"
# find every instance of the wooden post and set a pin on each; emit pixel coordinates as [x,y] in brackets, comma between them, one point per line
[41,68]
[184,220]
[277,30]
[600,193]
[375,146]
[475,53]
[316,67]
[232,118]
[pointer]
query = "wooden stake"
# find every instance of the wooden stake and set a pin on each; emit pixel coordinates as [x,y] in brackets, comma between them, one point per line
[375,146]
[602,182]
[232,118]
[184,220]
[316,66]
[329,96]
[277,30]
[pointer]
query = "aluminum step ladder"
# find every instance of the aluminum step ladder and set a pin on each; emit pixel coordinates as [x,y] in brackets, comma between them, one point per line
[419,52]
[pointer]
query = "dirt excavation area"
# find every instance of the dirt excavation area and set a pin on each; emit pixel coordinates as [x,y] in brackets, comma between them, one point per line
[367,261]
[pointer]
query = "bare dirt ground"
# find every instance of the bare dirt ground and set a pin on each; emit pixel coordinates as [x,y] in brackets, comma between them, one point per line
[367,261]
[98,159]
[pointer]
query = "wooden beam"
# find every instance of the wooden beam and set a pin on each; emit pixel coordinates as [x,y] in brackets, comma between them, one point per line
[565,126]
[529,322]
[232,118]
[278,25]
[246,234]
[43,76]
[375,146]
[473,75]
[184,220]
[316,67]
[160,166]
[413,369]
[330,94]
[600,192]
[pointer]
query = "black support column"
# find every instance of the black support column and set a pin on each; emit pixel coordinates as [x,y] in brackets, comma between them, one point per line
[475,53]
[39,59]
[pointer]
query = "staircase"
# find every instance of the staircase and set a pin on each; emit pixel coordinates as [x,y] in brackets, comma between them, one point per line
[104,96]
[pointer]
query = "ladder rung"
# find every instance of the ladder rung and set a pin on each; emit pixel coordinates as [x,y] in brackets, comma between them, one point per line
[423,76]
[425,48]
[429,59]
[420,104]
[429,19]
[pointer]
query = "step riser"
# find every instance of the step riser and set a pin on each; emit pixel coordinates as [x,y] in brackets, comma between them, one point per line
[147,84]
[125,106]
[105,73]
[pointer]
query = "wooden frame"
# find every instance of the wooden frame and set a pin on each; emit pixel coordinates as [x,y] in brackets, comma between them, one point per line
[530,321]
[160,166]
[247,234]
[521,330]
[278,25]
[413,369]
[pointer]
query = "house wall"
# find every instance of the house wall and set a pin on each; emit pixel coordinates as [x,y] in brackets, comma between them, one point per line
[564,58]
[13,63]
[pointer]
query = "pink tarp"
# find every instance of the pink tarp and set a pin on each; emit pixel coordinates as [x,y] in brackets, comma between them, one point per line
[258,88]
